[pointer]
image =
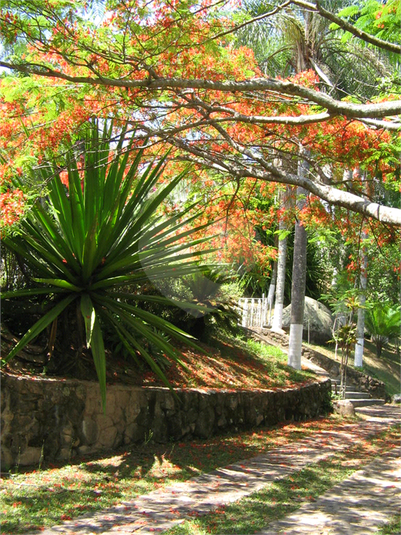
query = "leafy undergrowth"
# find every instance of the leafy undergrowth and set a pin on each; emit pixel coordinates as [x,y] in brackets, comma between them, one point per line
[285,496]
[49,494]
[393,527]
[386,368]
[229,364]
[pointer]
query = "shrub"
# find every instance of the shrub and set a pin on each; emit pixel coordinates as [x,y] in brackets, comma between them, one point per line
[91,238]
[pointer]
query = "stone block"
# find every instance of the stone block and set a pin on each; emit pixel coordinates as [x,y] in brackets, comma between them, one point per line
[89,431]
[205,423]
[344,407]
[133,434]
[107,438]
[30,456]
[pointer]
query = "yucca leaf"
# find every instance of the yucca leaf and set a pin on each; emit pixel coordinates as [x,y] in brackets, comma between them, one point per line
[57,238]
[121,237]
[88,313]
[28,292]
[142,276]
[120,330]
[167,301]
[59,283]
[62,207]
[94,340]
[53,242]
[77,209]
[50,258]
[17,245]
[153,320]
[143,331]
[89,252]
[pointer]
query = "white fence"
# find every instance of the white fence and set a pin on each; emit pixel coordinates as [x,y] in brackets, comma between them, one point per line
[254,312]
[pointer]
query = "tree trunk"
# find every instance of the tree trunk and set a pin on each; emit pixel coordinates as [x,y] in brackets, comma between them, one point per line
[298,281]
[281,269]
[271,293]
[277,322]
[360,326]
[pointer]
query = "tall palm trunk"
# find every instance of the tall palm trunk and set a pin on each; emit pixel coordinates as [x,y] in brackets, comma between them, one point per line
[360,326]
[363,279]
[277,322]
[298,280]
[272,292]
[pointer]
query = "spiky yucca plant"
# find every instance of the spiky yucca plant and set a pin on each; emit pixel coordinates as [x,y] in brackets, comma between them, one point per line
[88,241]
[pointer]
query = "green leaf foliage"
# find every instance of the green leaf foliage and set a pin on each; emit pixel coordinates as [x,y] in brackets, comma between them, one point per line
[383,323]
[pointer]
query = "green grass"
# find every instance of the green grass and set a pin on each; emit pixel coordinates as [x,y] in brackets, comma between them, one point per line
[273,359]
[393,527]
[285,496]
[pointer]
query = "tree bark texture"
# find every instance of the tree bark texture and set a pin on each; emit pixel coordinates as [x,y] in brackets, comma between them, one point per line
[297,297]
[281,268]
[360,326]
[298,280]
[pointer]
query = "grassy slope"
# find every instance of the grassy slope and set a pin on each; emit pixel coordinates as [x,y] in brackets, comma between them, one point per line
[386,368]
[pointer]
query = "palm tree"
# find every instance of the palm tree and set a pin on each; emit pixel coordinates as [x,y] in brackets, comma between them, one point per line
[296,40]
[281,269]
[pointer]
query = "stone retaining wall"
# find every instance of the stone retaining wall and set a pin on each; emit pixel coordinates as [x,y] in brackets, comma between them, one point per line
[60,419]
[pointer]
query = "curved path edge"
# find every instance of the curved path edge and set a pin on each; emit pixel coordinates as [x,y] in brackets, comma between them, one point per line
[167,507]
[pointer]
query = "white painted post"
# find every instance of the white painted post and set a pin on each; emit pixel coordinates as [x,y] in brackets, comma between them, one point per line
[244,313]
[251,318]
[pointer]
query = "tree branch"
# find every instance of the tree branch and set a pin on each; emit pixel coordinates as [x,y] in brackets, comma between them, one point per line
[281,87]
[346,26]
[252,166]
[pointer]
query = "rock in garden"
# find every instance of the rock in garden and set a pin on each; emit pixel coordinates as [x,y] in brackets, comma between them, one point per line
[344,407]
[317,319]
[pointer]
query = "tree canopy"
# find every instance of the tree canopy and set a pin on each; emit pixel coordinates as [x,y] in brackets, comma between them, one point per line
[176,72]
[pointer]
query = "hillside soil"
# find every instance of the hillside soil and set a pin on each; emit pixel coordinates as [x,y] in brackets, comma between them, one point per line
[228,364]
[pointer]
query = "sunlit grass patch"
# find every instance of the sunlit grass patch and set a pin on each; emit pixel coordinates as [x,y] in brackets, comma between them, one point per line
[393,527]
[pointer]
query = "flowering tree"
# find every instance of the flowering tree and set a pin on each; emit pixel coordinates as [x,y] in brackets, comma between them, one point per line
[171,69]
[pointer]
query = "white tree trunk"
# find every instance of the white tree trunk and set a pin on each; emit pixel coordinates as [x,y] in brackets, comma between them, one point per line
[271,293]
[295,346]
[298,280]
[281,267]
[360,326]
